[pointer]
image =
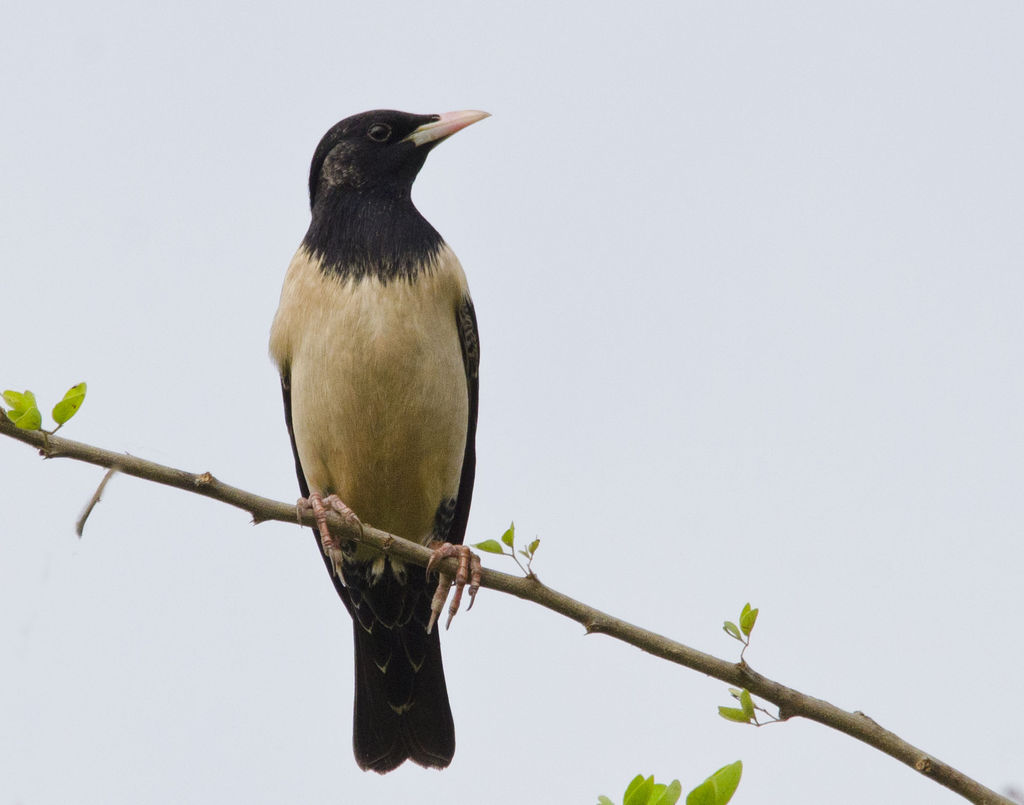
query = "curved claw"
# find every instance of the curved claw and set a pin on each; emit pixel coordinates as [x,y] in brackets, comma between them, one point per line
[468,572]
[320,505]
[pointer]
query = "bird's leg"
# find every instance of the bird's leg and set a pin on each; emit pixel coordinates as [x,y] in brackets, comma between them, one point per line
[468,572]
[320,506]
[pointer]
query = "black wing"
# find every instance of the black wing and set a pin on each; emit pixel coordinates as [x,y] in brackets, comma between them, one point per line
[469,339]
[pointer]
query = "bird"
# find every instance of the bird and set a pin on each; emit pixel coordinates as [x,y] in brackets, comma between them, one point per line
[376,341]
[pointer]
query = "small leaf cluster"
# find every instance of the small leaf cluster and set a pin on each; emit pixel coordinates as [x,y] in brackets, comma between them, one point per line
[748,617]
[747,711]
[715,790]
[644,791]
[744,714]
[508,541]
[24,412]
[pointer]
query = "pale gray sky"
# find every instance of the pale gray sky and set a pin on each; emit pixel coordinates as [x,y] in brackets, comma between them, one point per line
[750,292]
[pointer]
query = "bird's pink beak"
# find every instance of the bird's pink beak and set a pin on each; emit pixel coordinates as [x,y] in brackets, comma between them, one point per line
[445,126]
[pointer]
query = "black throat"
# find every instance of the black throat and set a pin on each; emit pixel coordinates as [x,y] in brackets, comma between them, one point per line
[359,235]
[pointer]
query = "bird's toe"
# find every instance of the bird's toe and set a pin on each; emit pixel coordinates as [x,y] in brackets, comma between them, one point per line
[320,506]
[468,572]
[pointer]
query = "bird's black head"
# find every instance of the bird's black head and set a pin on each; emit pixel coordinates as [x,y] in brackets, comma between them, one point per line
[380,151]
[360,190]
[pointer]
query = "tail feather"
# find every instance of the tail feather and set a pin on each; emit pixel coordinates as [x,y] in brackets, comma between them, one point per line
[401,712]
[401,700]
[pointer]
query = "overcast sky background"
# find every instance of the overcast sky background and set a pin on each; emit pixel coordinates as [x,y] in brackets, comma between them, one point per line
[750,283]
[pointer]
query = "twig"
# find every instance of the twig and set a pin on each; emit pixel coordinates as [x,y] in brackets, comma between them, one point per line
[80,525]
[791,703]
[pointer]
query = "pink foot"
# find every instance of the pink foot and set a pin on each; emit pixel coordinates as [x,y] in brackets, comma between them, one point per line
[320,506]
[469,571]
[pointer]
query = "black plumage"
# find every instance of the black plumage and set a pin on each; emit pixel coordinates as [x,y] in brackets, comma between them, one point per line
[376,341]
[366,223]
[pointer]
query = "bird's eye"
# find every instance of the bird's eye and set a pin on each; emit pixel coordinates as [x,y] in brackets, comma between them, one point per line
[379,132]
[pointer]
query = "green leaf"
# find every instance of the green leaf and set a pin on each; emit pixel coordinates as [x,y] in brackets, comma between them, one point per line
[27,420]
[732,630]
[532,547]
[718,788]
[747,619]
[736,692]
[490,546]
[68,407]
[723,784]
[734,714]
[509,537]
[638,792]
[16,399]
[672,794]
[704,794]
[23,412]
[747,704]
[19,400]
[673,791]
[603,800]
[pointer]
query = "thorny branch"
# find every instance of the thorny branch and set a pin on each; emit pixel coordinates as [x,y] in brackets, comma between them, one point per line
[791,703]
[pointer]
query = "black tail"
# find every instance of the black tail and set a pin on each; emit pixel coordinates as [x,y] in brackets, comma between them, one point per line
[401,708]
[401,703]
